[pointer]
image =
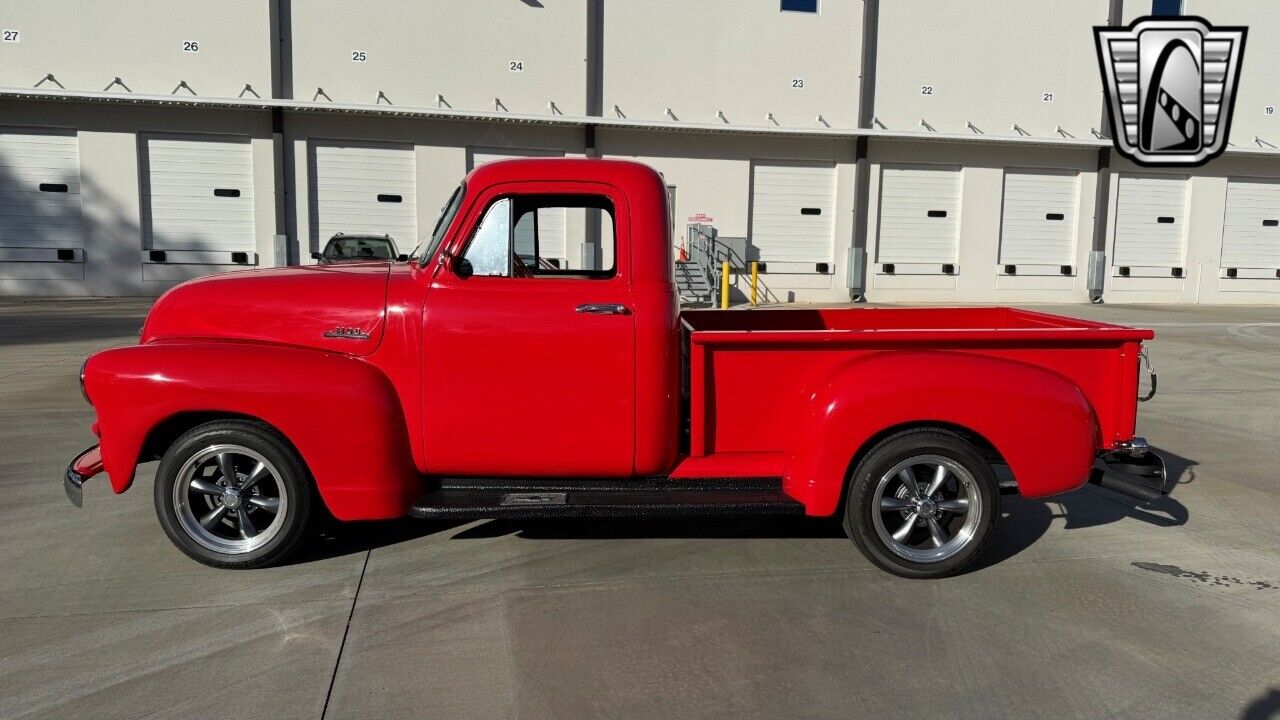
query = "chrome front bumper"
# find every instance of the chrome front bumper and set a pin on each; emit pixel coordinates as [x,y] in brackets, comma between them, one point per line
[81,468]
[1133,469]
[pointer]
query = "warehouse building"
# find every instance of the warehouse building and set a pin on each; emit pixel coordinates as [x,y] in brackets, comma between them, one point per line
[892,150]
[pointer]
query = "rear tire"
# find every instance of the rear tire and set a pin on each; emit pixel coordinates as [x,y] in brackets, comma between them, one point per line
[922,504]
[234,494]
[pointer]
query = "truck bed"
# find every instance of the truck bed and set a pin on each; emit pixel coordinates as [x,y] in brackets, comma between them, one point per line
[749,371]
[832,324]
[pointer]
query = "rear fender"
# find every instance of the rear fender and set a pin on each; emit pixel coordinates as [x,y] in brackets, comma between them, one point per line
[1040,422]
[341,413]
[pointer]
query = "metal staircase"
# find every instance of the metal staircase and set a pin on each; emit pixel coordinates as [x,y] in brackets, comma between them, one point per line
[693,283]
[698,277]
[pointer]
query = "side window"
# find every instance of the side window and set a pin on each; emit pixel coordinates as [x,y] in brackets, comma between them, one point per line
[488,250]
[545,236]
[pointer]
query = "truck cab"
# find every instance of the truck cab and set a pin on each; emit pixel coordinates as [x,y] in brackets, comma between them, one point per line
[530,358]
[574,344]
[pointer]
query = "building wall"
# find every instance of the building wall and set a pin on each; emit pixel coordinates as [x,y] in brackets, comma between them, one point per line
[465,52]
[1260,74]
[440,151]
[990,63]
[740,58]
[1203,281]
[1259,87]
[987,63]
[982,170]
[712,179]
[146,43]
[111,195]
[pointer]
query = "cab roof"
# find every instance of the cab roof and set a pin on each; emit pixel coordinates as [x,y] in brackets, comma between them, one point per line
[616,172]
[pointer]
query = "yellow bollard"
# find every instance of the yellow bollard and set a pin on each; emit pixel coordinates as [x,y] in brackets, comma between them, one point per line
[724,286]
[755,279]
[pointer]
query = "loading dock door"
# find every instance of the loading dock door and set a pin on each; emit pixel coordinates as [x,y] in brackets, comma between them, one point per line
[1038,220]
[1251,231]
[1151,221]
[359,188]
[919,217]
[198,193]
[40,190]
[793,213]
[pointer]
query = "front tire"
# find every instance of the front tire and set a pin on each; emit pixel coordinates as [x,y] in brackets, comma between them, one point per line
[922,504]
[234,494]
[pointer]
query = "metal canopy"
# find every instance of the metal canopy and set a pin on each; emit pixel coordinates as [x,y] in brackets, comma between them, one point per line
[462,115]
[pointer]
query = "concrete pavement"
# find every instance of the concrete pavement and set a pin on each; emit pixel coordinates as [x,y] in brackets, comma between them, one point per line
[1086,606]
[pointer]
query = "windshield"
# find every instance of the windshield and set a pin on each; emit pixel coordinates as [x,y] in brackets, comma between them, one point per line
[425,250]
[358,248]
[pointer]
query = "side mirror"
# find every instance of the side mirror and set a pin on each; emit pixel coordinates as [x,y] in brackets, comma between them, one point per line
[315,256]
[462,268]
[402,257]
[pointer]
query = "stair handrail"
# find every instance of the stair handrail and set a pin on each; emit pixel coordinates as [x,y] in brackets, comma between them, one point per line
[702,250]
[707,251]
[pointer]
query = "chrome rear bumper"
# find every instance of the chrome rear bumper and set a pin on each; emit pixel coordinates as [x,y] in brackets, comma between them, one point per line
[1133,469]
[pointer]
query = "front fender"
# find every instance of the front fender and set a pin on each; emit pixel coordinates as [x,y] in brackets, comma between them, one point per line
[1040,422]
[340,412]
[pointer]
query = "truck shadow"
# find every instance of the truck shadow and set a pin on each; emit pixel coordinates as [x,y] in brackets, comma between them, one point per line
[335,539]
[1263,707]
[1023,522]
[709,527]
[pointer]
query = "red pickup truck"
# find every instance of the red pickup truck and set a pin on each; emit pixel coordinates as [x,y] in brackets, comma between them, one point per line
[505,372]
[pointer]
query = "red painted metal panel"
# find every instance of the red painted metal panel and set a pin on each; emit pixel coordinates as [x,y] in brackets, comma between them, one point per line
[500,376]
[996,371]
[339,411]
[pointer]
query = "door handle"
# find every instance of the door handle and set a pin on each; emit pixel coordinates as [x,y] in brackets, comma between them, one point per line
[604,309]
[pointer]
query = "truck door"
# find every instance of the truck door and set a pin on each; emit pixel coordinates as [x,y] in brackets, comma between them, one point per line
[529,342]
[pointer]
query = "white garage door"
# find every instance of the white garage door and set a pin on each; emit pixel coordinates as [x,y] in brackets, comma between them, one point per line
[364,188]
[39,190]
[552,222]
[1151,221]
[1251,231]
[793,212]
[919,215]
[198,193]
[1038,223]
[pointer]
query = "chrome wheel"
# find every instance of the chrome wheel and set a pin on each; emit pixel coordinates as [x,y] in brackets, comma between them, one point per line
[230,499]
[927,508]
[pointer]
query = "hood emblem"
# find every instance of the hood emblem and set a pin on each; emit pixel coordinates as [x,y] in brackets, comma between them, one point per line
[347,333]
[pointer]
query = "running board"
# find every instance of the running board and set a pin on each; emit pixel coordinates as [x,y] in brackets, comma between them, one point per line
[472,498]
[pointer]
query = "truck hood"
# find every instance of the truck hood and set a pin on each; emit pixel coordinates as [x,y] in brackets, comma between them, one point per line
[329,307]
